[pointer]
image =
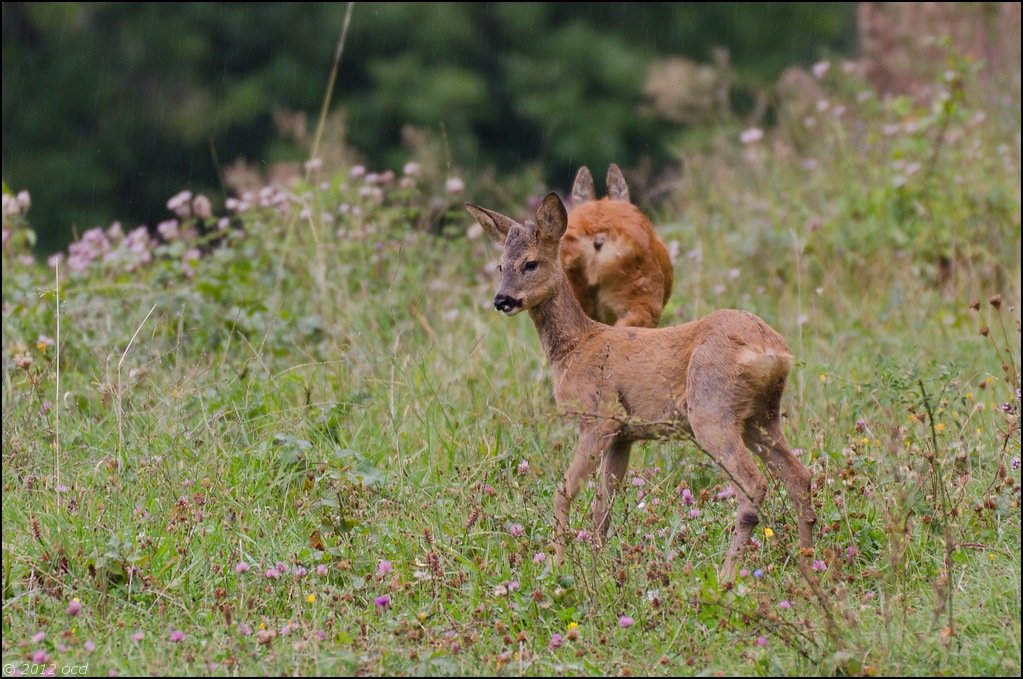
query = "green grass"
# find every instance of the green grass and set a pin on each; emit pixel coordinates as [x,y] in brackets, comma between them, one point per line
[336,400]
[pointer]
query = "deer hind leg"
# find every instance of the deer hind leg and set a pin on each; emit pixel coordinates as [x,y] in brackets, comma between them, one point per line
[768,441]
[638,305]
[723,442]
[612,471]
[717,407]
[640,316]
[588,453]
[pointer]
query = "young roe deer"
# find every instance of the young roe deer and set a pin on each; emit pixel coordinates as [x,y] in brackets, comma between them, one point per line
[719,378]
[619,268]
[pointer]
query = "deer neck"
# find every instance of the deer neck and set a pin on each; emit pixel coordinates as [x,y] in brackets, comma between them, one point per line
[561,322]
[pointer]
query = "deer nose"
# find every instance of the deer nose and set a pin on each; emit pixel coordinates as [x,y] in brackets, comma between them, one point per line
[506,303]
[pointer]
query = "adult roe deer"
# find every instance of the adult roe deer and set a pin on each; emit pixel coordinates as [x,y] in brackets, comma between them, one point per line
[719,378]
[619,268]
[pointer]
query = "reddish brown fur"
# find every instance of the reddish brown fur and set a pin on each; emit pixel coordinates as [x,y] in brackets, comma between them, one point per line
[619,268]
[720,378]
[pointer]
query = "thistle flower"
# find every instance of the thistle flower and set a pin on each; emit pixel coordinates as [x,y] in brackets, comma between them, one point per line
[202,207]
[180,204]
[751,135]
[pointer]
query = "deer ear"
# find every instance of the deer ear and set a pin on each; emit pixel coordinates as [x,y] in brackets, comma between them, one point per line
[617,189]
[551,218]
[582,190]
[494,223]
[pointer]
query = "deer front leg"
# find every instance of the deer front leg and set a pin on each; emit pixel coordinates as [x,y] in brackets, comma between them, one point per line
[588,452]
[613,468]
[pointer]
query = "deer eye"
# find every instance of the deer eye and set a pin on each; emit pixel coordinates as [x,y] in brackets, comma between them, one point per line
[530,266]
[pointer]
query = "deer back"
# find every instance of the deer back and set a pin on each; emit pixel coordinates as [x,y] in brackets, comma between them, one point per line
[645,375]
[619,268]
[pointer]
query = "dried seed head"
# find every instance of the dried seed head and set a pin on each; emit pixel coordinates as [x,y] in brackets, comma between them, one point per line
[985,331]
[975,304]
[433,561]
[37,531]
[473,518]
[1001,470]
[428,536]
[995,301]
[23,361]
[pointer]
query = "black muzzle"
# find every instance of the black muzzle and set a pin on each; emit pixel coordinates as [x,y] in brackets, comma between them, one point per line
[506,303]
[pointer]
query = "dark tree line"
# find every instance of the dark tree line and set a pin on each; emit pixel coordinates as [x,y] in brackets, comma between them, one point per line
[111,108]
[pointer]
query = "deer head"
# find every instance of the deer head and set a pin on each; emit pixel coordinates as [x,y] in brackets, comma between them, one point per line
[530,271]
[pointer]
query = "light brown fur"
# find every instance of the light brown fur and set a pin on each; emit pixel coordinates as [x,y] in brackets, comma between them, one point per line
[619,268]
[720,378]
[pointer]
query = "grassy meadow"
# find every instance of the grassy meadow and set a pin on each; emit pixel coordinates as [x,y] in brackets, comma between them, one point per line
[291,435]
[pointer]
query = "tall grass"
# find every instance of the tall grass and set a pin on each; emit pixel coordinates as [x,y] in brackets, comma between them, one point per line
[297,439]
